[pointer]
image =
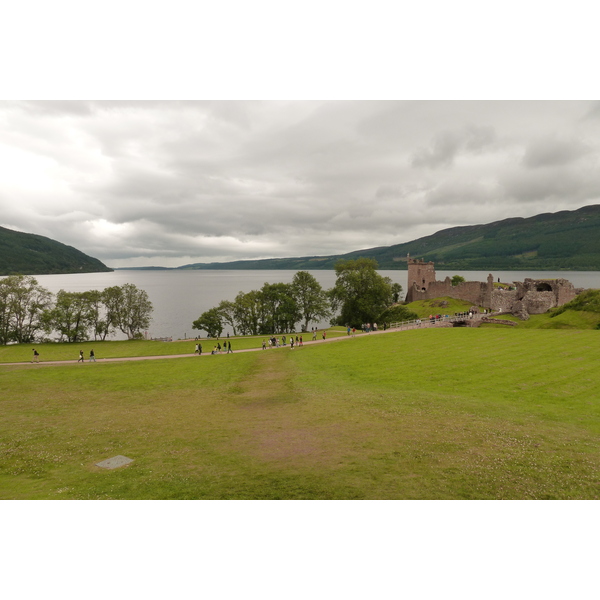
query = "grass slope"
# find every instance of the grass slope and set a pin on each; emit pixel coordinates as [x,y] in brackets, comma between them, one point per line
[441,413]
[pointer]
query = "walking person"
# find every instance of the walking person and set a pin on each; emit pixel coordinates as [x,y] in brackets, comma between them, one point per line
[80,359]
[229,350]
[36,356]
[264,345]
[196,350]
[92,356]
[199,349]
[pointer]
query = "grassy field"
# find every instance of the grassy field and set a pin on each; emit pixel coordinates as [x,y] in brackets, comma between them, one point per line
[437,414]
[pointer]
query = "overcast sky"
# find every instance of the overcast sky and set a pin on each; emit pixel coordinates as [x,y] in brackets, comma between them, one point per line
[171,183]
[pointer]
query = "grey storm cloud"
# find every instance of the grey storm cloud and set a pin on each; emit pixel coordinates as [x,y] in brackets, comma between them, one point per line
[552,151]
[169,183]
[446,145]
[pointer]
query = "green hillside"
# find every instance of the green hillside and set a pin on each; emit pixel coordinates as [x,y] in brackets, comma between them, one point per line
[29,254]
[567,240]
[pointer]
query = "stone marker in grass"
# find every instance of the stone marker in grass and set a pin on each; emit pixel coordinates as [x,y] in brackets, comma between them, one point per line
[115,462]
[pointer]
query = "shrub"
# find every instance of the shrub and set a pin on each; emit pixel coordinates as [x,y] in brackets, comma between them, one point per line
[397,313]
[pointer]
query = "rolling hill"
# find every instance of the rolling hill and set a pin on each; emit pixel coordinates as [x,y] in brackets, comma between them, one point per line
[29,254]
[566,240]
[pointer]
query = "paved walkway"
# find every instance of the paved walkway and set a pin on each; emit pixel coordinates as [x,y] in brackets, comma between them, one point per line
[425,324]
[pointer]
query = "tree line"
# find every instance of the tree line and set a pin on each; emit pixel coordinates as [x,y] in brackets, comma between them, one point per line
[28,311]
[360,295]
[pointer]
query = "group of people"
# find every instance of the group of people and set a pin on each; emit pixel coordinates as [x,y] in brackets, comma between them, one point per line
[315,331]
[217,349]
[81,358]
[275,342]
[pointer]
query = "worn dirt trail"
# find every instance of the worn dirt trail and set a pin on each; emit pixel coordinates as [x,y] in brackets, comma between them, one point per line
[424,325]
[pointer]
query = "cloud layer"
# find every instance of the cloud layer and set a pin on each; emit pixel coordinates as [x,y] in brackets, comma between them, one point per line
[169,183]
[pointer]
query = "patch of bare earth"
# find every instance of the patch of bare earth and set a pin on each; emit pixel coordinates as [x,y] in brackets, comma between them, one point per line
[278,423]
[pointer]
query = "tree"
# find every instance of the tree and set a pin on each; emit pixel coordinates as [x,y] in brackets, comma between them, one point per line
[100,321]
[248,311]
[396,291]
[128,308]
[111,299]
[227,312]
[457,279]
[211,322]
[22,305]
[279,309]
[71,316]
[360,293]
[397,313]
[310,297]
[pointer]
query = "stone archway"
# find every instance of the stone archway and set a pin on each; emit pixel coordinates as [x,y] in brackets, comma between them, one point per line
[543,287]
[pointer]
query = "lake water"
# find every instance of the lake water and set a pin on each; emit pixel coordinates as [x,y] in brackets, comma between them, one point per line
[180,297]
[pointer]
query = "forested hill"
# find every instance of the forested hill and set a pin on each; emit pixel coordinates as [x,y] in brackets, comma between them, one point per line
[567,240]
[29,254]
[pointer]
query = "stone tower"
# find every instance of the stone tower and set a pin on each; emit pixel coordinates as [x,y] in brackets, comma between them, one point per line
[420,275]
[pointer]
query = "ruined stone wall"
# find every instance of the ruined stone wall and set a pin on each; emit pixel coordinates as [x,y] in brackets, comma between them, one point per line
[566,291]
[503,300]
[533,296]
[470,291]
[537,303]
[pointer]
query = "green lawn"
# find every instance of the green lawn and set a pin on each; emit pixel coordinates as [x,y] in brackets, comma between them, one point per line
[436,413]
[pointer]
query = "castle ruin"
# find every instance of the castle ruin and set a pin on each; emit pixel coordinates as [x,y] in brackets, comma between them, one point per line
[532,296]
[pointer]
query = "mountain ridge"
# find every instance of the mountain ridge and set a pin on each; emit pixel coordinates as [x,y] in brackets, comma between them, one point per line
[31,254]
[565,240]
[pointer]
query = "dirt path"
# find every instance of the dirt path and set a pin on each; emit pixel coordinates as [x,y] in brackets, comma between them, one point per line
[424,325]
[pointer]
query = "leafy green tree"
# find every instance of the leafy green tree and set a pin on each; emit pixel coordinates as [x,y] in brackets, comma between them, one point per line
[360,293]
[228,315]
[135,311]
[280,312]
[111,300]
[127,308]
[248,311]
[22,305]
[396,292]
[456,279]
[71,316]
[310,297]
[397,313]
[211,322]
[100,321]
